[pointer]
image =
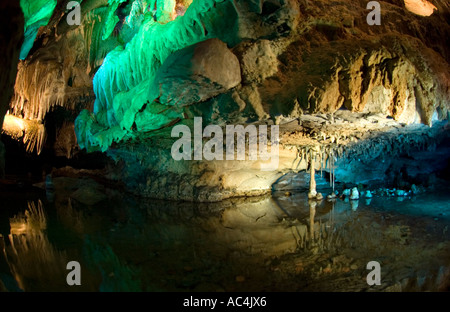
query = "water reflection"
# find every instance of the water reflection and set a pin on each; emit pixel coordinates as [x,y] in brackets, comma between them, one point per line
[257,244]
[32,259]
[354,204]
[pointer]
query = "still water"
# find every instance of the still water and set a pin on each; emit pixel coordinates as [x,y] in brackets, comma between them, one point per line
[272,243]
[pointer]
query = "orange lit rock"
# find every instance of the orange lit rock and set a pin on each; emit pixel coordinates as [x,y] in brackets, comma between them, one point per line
[420,7]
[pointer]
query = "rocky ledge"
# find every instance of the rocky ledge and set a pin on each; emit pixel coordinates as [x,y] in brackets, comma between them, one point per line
[346,147]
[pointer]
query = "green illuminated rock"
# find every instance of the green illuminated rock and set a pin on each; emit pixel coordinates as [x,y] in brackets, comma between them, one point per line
[37,13]
[123,83]
[196,73]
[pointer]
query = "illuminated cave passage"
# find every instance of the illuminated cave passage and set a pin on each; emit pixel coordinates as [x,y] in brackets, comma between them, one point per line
[222,145]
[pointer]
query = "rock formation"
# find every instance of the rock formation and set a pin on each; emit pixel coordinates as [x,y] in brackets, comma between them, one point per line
[355,93]
[11,22]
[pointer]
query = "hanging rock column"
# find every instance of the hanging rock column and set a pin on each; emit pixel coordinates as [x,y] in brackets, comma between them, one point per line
[313,153]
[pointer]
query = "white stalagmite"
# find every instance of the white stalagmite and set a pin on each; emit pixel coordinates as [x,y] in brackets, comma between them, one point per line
[354,194]
[312,181]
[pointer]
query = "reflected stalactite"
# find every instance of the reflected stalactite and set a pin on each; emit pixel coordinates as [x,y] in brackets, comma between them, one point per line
[323,233]
[115,275]
[162,246]
[72,218]
[33,221]
[32,259]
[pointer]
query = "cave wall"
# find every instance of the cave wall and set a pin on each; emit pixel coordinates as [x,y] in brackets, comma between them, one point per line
[330,61]
[11,23]
[323,57]
[58,62]
[320,56]
[132,70]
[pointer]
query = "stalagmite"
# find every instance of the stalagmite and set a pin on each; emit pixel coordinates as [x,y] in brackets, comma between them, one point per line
[355,194]
[312,181]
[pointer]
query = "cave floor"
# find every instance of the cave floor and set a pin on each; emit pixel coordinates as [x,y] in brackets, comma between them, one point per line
[271,243]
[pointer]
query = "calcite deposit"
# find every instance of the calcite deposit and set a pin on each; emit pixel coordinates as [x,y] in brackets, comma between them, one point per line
[353,101]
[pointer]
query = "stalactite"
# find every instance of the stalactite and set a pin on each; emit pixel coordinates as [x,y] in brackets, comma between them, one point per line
[42,79]
[333,168]
[31,132]
[125,69]
[34,138]
[321,153]
[37,89]
[96,50]
[127,74]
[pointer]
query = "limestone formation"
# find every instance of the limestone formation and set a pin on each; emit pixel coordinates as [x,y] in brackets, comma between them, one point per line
[312,182]
[354,194]
[11,23]
[195,74]
[356,94]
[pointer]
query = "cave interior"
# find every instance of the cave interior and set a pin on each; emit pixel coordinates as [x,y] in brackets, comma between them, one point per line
[224,145]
